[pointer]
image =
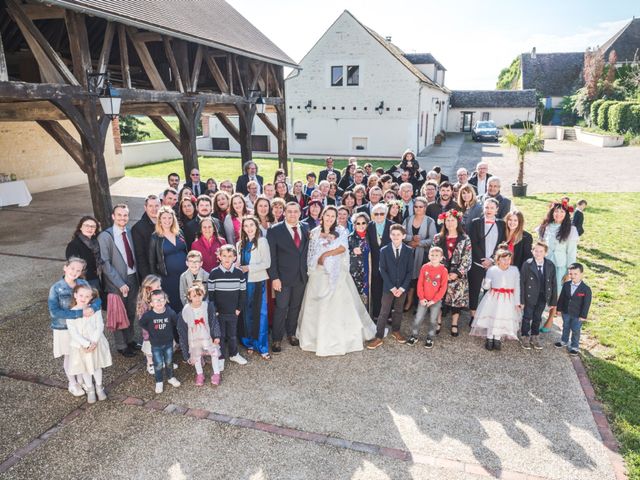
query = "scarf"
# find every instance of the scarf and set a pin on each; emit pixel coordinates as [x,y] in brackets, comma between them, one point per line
[361,234]
[93,245]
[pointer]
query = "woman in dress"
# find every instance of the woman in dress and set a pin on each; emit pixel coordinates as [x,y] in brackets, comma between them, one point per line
[186,211]
[347,177]
[262,211]
[349,202]
[334,194]
[212,187]
[298,196]
[207,243]
[420,232]
[333,320]
[360,192]
[456,246]
[185,192]
[221,205]
[394,213]
[469,205]
[519,241]
[562,238]
[84,244]
[282,191]
[168,255]
[277,209]
[344,219]
[385,182]
[313,214]
[254,259]
[359,259]
[237,210]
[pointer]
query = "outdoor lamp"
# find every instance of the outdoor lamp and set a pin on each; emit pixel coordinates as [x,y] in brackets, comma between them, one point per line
[260,104]
[380,108]
[98,84]
[308,106]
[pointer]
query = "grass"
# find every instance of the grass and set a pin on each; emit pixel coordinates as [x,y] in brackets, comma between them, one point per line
[611,257]
[222,168]
[153,131]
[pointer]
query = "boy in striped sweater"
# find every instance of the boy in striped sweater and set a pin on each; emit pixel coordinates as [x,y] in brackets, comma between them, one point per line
[227,287]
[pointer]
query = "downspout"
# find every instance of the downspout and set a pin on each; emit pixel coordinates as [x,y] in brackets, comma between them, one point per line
[418,122]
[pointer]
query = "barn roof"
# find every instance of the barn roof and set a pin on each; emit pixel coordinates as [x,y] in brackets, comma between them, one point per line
[626,43]
[493,99]
[552,74]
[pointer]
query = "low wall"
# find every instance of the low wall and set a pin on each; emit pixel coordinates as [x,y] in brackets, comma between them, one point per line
[143,153]
[598,140]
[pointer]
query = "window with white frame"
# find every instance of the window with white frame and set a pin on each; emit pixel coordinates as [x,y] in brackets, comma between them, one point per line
[337,76]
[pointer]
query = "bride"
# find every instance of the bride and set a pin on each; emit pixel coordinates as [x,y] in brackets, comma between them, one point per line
[333,319]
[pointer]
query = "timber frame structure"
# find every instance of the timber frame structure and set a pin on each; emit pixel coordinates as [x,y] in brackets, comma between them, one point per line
[48,47]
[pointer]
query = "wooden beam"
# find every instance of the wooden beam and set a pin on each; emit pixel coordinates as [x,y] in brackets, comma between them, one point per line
[238,75]
[229,126]
[166,129]
[29,111]
[182,55]
[4,72]
[79,45]
[257,76]
[216,73]
[65,140]
[230,73]
[267,122]
[197,64]
[124,56]
[42,12]
[148,37]
[107,42]
[53,69]
[276,81]
[168,50]
[147,61]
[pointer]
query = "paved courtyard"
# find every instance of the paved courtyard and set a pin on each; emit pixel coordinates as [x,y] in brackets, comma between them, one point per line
[455,412]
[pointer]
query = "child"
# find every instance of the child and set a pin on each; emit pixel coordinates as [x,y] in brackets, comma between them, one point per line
[432,286]
[498,315]
[59,302]
[227,291]
[89,347]
[149,284]
[537,290]
[160,322]
[192,274]
[396,269]
[578,216]
[573,304]
[200,333]
[311,184]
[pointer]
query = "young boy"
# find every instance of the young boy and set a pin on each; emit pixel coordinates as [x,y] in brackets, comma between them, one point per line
[578,216]
[432,286]
[193,273]
[311,184]
[160,322]
[537,290]
[573,305]
[227,291]
[396,268]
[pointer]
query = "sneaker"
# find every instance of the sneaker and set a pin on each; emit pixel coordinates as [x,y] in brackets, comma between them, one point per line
[91,394]
[221,364]
[412,340]
[199,379]
[159,387]
[525,342]
[398,337]
[559,344]
[76,390]
[239,359]
[573,352]
[215,379]
[100,393]
[374,343]
[151,370]
[428,343]
[174,382]
[535,342]
[497,344]
[544,330]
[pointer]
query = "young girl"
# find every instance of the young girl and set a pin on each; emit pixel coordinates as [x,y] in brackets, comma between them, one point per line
[149,284]
[199,334]
[89,352]
[60,298]
[498,315]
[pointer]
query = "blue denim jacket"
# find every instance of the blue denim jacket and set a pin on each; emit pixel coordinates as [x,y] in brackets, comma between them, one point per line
[60,296]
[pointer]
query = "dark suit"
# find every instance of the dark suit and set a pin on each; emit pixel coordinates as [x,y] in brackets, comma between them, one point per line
[202,186]
[325,172]
[289,265]
[477,272]
[366,208]
[536,294]
[473,181]
[578,221]
[243,180]
[395,273]
[375,290]
[573,308]
[141,233]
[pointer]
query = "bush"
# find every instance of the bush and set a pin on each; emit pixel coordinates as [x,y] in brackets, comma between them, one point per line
[634,118]
[621,117]
[595,106]
[603,114]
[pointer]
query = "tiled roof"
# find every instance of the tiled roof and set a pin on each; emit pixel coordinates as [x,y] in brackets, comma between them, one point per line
[208,22]
[493,99]
[423,58]
[552,74]
[626,43]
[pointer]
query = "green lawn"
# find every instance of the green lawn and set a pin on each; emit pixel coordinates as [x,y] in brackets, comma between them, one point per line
[611,257]
[229,168]
[153,131]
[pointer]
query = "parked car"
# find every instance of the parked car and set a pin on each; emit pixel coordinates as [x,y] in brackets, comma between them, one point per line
[485,130]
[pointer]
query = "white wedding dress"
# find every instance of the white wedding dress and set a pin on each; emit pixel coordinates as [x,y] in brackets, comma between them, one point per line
[333,320]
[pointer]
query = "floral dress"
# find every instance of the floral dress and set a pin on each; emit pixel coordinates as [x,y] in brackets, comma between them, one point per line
[359,264]
[457,259]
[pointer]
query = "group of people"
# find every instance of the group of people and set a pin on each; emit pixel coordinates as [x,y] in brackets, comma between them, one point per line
[330,266]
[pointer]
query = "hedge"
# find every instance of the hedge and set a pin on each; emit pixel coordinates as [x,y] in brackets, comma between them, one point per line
[595,106]
[603,114]
[634,126]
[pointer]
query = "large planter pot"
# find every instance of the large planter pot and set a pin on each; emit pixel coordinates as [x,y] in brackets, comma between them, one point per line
[519,190]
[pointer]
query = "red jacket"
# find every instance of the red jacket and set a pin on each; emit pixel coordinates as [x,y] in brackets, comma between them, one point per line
[209,255]
[432,282]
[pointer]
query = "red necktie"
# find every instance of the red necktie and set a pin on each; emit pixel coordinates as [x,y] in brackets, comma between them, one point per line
[296,236]
[127,249]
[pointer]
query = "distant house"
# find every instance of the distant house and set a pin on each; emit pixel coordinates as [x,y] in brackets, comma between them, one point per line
[504,107]
[626,44]
[552,75]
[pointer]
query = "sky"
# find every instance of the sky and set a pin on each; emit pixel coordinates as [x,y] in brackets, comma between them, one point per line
[474,40]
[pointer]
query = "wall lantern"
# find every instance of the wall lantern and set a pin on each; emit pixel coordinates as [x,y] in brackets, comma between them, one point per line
[380,108]
[255,97]
[100,86]
[308,106]
[260,104]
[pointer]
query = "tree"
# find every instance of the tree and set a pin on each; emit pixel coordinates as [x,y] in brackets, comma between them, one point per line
[593,69]
[608,86]
[529,141]
[130,129]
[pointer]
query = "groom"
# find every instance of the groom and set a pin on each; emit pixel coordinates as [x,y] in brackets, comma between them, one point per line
[288,242]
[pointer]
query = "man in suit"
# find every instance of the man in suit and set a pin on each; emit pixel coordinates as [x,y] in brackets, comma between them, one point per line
[396,269]
[573,305]
[493,191]
[444,203]
[119,273]
[578,216]
[359,178]
[141,234]
[288,245]
[377,238]
[197,187]
[406,195]
[479,178]
[204,207]
[375,195]
[250,174]
[324,173]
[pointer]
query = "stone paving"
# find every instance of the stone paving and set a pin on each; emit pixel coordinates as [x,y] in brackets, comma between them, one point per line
[455,412]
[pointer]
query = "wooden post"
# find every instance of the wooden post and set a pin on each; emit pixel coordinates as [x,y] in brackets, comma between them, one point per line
[4,73]
[246,114]
[282,138]
[189,114]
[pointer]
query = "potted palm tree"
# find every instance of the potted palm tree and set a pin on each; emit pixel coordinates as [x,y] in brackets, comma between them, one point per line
[529,141]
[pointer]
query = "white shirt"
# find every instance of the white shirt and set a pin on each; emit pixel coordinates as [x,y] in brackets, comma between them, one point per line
[482,186]
[290,228]
[574,287]
[117,238]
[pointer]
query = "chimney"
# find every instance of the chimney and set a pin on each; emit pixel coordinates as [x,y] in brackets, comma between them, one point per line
[388,38]
[533,53]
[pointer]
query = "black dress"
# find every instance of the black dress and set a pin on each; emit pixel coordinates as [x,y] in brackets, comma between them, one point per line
[522,250]
[76,248]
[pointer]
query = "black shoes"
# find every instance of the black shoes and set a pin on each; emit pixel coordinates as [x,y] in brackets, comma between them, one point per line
[488,344]
[428,343]
[127,352]
[134,346]
[412,340]
[293,341]
[497,344]
[276,347]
